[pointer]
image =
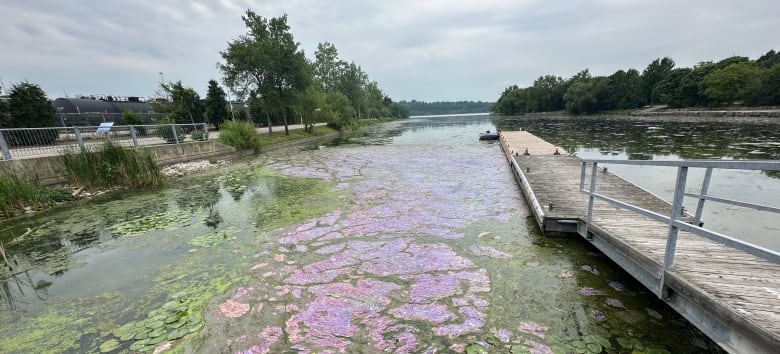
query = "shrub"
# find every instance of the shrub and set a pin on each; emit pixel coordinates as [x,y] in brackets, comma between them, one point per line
[112,166]
[240,135]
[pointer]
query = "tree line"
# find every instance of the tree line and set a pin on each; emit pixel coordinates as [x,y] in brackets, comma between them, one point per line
[734,80]
[420,108]
[267,70]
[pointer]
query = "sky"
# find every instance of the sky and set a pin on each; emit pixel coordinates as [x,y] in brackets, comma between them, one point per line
[428,50]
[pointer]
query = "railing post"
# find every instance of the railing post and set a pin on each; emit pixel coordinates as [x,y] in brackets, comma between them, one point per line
[582,176]
[79,140]
[206,131]
[704,186]
[4,147]
[593,172]
[671,240]
[175,136]
[132,134]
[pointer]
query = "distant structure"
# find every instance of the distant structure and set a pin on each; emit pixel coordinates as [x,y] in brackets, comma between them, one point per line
[105,104]
[93,110]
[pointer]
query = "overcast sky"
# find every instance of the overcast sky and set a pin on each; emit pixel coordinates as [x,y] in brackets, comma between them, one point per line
[427,50]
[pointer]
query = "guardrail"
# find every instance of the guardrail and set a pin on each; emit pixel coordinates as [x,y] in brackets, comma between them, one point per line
[675,219]
[29,142]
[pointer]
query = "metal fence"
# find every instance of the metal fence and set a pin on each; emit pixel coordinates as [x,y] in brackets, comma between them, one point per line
[675,220]
[33,142]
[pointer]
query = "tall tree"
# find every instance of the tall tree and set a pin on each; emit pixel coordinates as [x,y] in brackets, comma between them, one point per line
[352,82]
[266,62]
[327,66]
[655,72]
[28,107]
[183,103]
[216,104]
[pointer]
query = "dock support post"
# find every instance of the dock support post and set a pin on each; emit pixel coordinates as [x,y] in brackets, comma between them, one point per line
[671,240]
[705,185]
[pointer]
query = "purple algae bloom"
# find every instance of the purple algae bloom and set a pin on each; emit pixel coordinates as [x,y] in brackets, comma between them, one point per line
[590,292]
[618,286]
[532,328]
[537,348]
[598,315]
[615,303]
[590,269]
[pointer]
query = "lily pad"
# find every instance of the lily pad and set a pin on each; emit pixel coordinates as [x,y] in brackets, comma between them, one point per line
[519,349]
[493,340]
[475,348]
[630,343]
[656,350]
[109,346]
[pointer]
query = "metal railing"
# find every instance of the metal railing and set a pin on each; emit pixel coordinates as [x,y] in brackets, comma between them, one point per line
[675,221]
[31,142]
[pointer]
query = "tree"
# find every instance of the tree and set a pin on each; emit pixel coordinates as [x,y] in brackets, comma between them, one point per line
[327,66]
[352,82]
[655,72]
[769,87]
[586,96]
[28,107]
[266,62]
[216,104]
[182,104]
[736,82]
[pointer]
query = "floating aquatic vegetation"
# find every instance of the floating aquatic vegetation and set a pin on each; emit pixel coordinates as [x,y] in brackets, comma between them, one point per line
[629,343]
[483,250]
[615,303]
[618,286]
[589,344]
[233,309]
[590,292]
[268,337]
[167,221]
[565,273]
[502,334]
[214,238]
[532,328]
[434,313]
[476,348]
[170,322]
[598,315]
[590,269]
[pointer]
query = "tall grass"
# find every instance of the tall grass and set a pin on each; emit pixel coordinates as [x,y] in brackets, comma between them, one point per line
[16,194]
[240,135]
[112,166]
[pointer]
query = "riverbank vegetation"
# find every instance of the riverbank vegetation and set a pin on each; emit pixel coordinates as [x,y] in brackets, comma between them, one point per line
[112,166]
[732,81]
[18,195]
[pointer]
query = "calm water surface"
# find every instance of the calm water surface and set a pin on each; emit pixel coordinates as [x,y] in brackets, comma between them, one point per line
[410,238]
[622,138]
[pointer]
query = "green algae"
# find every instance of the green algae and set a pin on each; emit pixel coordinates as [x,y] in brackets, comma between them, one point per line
[214,238]
[167,221]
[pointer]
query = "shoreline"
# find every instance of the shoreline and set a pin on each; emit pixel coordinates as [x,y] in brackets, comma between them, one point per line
[663,116]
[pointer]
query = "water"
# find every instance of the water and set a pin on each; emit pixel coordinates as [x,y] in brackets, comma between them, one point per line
[410,238]
[622,138]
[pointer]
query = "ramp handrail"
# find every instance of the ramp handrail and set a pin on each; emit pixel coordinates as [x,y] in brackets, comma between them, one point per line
[674,220]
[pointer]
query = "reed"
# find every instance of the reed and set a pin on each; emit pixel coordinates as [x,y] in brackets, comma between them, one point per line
[112,166]
[18,194]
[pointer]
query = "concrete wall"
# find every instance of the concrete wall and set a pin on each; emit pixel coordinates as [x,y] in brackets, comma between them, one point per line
[49,170]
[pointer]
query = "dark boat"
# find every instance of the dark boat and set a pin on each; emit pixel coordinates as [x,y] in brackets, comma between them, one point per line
[488,136]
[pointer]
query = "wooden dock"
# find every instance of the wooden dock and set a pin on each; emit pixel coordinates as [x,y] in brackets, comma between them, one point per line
[731,295]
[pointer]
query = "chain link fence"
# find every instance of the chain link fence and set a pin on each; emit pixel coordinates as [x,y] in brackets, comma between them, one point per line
[33,142]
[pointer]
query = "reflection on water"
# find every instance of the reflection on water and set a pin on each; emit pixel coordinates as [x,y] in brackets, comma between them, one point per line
[412,237]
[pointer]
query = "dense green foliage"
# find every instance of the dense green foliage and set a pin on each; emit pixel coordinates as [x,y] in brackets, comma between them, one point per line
[17,194]
[731,81]
[216,104]
[131,118]
[112,166]
[266,67]
[28,107]
[182,104]
[420,108]
[240,135]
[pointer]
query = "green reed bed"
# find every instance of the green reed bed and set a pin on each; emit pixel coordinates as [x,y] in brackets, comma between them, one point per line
[240,135]
[112,166]
[18,194]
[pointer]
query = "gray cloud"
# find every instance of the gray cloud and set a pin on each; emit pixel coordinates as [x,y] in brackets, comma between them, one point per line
[425,50]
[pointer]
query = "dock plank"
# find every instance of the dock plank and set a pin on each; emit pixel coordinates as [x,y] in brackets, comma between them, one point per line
[737,287]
